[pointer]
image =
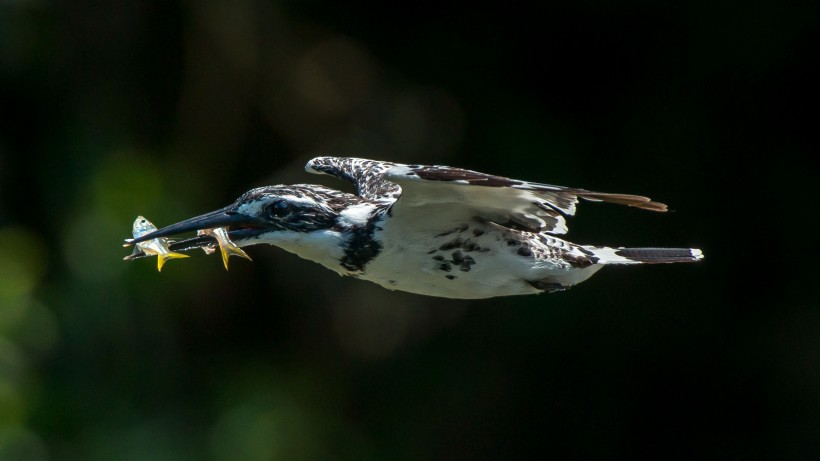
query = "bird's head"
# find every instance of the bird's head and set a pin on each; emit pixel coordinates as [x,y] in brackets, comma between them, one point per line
[259,215]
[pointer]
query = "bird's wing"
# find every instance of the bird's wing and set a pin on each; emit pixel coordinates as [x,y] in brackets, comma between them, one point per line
[509,202]
[366,175]
[445,194]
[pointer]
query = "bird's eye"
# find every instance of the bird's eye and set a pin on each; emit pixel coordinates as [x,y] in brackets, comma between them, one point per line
[279,208]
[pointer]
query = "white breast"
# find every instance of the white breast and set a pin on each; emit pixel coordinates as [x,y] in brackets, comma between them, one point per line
[480,266]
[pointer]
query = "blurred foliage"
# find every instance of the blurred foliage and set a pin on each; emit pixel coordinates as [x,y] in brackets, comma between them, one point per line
[170,109]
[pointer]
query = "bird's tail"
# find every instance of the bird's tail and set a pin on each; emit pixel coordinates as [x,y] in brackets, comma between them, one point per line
[606,255]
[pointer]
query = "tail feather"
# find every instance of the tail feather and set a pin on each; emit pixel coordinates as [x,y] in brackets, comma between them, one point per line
[622,255]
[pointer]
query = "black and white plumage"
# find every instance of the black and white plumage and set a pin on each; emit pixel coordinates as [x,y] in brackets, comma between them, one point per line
[431,230]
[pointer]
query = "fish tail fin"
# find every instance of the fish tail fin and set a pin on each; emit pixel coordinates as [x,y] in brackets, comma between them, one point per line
[622,255]
[166,256]
[232,250]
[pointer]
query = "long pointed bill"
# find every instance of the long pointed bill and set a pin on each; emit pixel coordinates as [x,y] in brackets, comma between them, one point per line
[225,217]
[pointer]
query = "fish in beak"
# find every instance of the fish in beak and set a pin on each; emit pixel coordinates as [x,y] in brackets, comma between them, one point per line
[155,246]
[226,246]
[222,227]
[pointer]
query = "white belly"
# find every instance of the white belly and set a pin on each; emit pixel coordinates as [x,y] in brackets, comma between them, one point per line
[481,267]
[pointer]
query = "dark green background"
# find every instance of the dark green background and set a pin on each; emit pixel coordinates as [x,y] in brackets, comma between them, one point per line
[114,109]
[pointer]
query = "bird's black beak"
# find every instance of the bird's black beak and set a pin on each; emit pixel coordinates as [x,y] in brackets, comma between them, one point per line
[226,217]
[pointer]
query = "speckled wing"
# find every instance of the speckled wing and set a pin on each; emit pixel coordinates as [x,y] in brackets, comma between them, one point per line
[443,195]
[366,175]
[520,204]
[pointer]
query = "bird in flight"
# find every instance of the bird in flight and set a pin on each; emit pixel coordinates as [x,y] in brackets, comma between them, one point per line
[430,230]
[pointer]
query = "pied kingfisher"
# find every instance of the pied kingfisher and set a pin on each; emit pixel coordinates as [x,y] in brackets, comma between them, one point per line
[431,230]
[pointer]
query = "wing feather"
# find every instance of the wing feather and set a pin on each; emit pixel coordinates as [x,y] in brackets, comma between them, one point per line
[532,206]
[449,194]
[366,175]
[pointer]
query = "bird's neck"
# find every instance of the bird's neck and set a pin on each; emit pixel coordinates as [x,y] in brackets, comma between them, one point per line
[346,247]
[325,246]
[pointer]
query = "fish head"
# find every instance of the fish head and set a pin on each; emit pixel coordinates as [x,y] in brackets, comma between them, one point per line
[142,226]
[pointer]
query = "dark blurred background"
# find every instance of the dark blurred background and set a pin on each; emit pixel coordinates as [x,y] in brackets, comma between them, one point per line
[167,109]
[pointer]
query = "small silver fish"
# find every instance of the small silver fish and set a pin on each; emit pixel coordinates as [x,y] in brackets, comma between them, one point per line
[226,246]
[158,246]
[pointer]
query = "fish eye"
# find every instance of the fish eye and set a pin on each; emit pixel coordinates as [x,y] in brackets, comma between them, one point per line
[279,208]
